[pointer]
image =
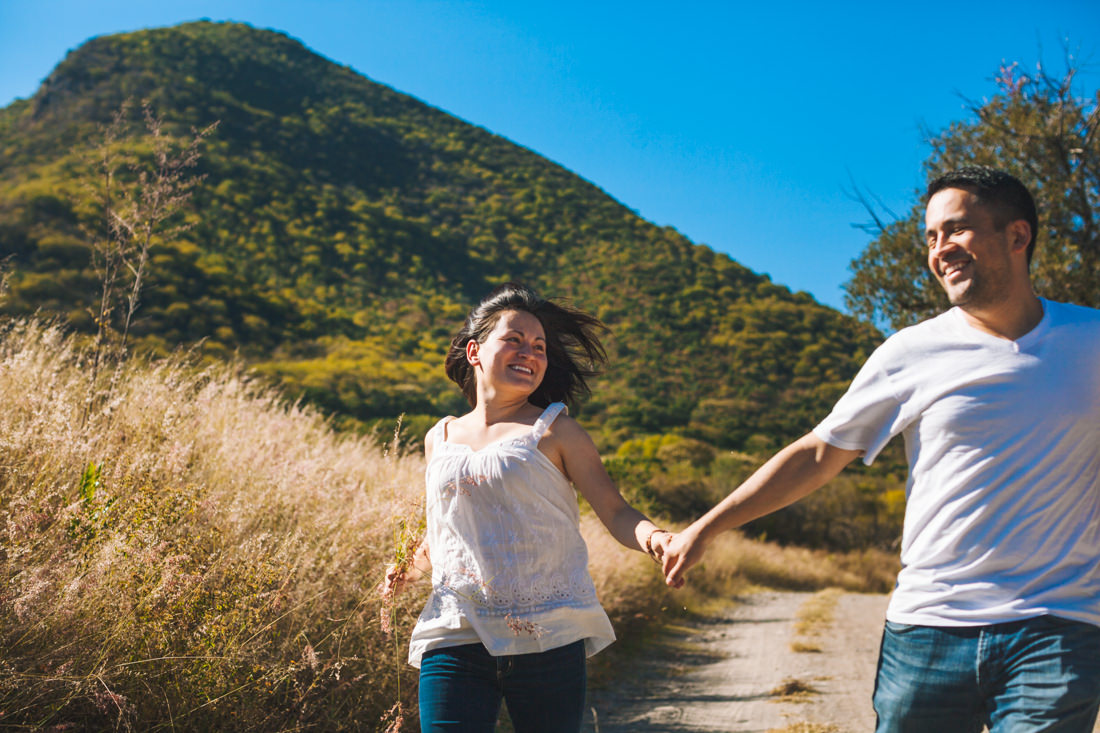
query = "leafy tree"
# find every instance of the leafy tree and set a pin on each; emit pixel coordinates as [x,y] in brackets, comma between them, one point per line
[1041,128]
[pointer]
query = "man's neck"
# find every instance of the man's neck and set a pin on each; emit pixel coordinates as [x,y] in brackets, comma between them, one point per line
[1009,319]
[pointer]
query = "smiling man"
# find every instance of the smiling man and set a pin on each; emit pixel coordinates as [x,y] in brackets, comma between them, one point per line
[995,619]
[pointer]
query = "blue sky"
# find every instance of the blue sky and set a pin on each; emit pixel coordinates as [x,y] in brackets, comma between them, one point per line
[741,125]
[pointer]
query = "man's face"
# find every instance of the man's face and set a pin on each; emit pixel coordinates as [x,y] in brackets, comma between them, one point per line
[967,254]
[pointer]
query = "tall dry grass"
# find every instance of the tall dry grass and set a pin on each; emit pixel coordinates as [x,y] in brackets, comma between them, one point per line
[199,555]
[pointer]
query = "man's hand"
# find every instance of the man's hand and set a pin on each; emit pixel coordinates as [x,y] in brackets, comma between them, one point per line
[680,552]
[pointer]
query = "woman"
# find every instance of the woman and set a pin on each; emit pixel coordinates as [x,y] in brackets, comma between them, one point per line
[513,611]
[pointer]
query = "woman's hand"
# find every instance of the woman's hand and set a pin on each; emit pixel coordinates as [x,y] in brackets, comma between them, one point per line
[656,544]
[394,582]
[399,575]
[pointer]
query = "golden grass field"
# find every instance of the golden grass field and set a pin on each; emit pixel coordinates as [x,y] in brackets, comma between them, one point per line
[188,551]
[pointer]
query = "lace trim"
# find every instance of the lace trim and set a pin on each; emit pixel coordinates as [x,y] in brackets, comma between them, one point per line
[527,594]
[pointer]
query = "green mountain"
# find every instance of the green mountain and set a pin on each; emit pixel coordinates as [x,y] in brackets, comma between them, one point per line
[343,229]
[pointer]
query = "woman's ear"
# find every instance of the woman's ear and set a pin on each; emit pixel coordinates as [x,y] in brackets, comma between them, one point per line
[472,347]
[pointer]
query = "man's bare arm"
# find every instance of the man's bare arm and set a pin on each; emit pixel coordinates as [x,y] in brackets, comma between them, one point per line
[799,469]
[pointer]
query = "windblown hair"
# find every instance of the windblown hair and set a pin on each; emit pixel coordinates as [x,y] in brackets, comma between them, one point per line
[1003,195]
[573,351]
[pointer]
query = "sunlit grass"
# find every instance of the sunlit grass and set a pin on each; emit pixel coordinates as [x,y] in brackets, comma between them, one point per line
[199,554]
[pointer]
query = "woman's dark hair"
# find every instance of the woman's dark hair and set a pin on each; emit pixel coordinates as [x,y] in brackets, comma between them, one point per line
[573,351]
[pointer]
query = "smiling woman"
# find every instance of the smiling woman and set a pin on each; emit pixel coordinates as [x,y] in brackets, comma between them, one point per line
[513,612]
[573,352]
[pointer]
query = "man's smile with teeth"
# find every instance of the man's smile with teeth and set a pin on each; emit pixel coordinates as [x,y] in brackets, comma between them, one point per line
[954,267]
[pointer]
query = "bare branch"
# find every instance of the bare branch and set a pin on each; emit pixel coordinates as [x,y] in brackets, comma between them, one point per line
[136,199]
[871,203]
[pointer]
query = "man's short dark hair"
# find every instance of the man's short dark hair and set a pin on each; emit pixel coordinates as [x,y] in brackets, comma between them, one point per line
[1006,198]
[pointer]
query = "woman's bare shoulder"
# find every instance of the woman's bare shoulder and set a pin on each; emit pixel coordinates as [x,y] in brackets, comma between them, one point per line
[568,431]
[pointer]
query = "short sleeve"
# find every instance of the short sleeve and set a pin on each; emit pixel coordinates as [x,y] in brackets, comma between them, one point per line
[868,414]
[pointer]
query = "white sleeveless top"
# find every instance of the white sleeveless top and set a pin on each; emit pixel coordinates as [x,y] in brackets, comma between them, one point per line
[509,566]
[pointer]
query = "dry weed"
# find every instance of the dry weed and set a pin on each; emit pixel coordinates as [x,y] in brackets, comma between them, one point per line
[806,647]
[804,727]
[793,690]
[813,619]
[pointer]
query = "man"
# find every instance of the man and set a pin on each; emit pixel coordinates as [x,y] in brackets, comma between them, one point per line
[995,618]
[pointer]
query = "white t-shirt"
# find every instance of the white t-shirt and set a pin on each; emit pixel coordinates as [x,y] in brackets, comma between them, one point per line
[1002,519]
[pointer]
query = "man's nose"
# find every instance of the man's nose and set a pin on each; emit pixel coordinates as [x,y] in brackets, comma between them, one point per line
[941,242]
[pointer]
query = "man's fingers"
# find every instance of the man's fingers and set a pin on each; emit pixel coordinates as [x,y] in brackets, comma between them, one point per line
[673,577]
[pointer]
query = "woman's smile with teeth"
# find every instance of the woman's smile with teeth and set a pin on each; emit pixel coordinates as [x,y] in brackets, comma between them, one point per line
[521,368]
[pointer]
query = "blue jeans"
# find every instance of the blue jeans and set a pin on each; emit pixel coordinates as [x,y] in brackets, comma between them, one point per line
[1040,674]
[461,688]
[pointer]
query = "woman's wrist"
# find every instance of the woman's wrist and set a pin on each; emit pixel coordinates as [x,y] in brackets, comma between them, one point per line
[647,545]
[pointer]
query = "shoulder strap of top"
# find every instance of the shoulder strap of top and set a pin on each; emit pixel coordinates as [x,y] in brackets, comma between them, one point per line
[547,418]
[440,429]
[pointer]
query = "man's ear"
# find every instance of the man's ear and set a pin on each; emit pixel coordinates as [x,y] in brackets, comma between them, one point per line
[1020,234]
[472,348]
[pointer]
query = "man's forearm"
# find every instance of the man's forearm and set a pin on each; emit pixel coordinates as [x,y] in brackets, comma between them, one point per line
[799,469]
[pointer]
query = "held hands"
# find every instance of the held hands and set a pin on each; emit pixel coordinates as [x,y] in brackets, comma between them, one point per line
[680,552]
[656,542]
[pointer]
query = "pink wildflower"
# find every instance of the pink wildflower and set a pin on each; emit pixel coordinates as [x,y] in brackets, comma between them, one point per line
[384,616]
[396,714]
[520,626]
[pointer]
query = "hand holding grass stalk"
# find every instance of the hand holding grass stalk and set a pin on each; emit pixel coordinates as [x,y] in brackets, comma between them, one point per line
[410,546]
[414,565]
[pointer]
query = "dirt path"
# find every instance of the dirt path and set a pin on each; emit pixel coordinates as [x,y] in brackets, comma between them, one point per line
[722,676]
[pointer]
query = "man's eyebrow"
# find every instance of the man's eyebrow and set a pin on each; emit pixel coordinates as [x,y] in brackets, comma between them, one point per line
[954,220]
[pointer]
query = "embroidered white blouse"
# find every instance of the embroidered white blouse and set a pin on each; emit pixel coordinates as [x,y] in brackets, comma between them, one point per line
[509,565]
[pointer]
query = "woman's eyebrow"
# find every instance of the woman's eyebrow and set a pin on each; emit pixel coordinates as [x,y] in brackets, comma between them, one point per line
[521,332]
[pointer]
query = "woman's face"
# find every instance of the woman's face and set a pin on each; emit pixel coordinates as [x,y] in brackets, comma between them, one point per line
[513,354]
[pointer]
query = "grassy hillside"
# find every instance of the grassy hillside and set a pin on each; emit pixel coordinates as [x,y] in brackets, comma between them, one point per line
[343,228]
[188,552]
